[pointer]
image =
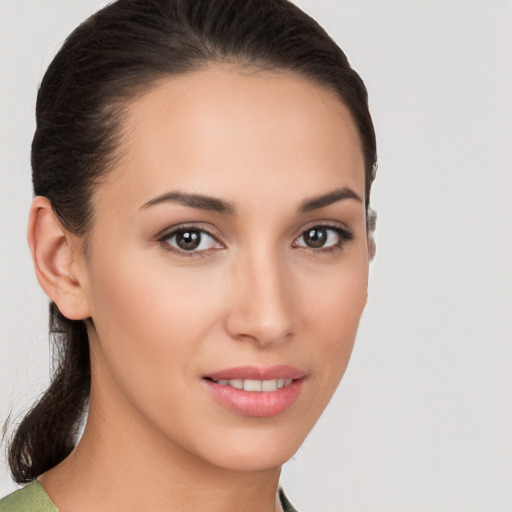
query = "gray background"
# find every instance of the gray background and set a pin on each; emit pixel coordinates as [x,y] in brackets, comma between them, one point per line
[423,418]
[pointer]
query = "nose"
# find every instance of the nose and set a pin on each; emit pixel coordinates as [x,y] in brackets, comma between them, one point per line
[262,302]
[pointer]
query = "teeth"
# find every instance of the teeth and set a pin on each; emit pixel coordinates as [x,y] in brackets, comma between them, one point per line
[256,385]
[252,385]
[268,385]
[236,383]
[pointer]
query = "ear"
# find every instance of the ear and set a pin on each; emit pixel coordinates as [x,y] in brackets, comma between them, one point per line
[58,261]
[371,223]
[372,248]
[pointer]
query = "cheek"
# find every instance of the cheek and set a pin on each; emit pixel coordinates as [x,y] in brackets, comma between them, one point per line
[150,320]
[335,303]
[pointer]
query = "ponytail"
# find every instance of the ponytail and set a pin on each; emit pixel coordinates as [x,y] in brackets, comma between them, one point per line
[48,432]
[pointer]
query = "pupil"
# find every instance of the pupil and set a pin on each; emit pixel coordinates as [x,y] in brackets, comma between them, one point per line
[188,240]
[315,237]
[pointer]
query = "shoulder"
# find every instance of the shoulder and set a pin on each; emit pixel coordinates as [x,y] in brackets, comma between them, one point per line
[30,498]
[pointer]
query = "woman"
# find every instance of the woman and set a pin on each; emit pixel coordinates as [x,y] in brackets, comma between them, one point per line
[202,172]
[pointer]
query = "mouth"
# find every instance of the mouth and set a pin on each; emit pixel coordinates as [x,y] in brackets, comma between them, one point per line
[256,391]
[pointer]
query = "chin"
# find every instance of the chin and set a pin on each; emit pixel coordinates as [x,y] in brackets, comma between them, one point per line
[263,448]
[246,460]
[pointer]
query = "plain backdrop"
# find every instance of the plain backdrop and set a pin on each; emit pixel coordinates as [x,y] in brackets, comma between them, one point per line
[423,418]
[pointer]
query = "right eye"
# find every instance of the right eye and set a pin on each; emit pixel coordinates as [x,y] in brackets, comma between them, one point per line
[324,237]
[189,240]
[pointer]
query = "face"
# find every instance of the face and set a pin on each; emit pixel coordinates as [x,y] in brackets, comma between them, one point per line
[228,250]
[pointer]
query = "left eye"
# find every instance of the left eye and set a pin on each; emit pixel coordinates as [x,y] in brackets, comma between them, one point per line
[188,239]
[318,237]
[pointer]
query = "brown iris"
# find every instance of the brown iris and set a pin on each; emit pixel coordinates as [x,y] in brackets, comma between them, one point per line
[315,237]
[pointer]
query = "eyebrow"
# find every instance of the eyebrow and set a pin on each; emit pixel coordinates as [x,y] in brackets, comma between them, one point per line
[324,200]
[209,203]
[197,201]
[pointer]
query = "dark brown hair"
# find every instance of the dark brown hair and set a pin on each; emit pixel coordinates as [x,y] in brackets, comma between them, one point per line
[112,57]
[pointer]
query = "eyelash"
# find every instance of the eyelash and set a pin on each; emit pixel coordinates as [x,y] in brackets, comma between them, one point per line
[343,234]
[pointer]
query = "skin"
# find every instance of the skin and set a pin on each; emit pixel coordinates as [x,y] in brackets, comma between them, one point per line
[265,143]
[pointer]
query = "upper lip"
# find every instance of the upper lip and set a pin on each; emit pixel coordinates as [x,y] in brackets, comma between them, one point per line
[258,373]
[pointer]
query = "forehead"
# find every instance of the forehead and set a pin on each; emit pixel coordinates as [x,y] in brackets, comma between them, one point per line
[222,128]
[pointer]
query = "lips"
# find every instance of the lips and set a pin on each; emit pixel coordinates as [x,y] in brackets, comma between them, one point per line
[256,391]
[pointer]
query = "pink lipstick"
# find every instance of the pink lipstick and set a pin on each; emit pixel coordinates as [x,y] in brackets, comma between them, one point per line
[256,391]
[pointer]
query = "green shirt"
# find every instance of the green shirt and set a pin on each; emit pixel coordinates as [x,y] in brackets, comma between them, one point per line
[33,498]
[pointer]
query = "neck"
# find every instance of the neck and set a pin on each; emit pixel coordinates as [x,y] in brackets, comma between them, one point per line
[134,468]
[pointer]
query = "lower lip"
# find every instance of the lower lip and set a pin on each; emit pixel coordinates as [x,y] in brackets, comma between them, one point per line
[261,404]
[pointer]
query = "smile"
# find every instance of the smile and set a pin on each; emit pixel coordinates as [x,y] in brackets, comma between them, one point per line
[255,391]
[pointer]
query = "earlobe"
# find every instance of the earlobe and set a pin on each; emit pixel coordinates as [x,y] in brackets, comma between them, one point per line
[58,261]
